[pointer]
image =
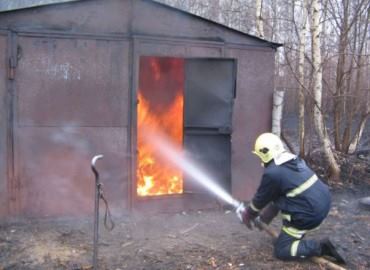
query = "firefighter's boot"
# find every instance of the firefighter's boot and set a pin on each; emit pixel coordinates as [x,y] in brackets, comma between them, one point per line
[328,249]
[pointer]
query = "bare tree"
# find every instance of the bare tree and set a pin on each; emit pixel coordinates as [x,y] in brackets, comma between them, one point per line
[317,88]
[346,16]
[366,96]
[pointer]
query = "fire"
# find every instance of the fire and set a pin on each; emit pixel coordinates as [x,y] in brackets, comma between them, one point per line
[160,110]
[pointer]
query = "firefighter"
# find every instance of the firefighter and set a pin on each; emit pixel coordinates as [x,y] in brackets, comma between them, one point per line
[289,186]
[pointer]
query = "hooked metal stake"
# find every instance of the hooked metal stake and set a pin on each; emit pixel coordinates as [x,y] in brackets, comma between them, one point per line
[96,212]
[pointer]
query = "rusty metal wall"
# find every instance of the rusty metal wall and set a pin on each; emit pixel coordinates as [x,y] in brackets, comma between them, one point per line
[72,82]
[3,125]
[251,116]
[72,104]
[76,84]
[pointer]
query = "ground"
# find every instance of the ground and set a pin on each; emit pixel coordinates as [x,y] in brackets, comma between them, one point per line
[189,240]
[197,240]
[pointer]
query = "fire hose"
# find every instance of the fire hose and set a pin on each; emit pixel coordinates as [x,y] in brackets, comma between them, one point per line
[264,227]
[108,221]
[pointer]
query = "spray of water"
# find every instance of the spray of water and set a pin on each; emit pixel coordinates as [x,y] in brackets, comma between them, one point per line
[169,152]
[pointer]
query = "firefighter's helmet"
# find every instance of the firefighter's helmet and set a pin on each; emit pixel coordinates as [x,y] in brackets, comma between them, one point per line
[268,146]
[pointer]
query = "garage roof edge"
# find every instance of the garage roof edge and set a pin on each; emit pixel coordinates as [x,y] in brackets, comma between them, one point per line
[8,6]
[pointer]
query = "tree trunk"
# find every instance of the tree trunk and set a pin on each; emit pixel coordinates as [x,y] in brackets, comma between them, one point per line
[277,112]
[317,88]
[356,139]
[259,19]
[352,144]
[349,105]
[340,77]
[301,96]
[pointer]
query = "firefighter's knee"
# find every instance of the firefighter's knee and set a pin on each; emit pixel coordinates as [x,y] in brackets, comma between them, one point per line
[282,246]
[282,253]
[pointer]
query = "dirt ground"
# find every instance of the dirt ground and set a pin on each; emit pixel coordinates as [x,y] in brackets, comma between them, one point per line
[197,240]
[189,240]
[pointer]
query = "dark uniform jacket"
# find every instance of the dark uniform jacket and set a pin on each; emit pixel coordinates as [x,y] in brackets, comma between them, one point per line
[304,200]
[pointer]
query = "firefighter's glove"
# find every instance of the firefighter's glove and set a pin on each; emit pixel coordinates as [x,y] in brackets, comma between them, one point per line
[269,213]
[246,215]
[249,217]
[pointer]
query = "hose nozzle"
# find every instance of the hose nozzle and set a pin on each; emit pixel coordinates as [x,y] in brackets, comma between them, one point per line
[240,210]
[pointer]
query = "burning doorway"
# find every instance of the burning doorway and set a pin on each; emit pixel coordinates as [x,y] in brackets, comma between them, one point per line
[160,108]
[190,101]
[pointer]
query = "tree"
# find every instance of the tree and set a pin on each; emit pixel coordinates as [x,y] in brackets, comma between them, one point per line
[366,96]
[301,77]
[317,90]
[259,19]
[346,15]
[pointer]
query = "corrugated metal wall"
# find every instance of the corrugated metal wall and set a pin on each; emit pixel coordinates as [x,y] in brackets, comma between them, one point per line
[252,115]
[72,103]
[75,96]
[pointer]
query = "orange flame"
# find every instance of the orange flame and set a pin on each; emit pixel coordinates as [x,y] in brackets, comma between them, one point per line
[155,176]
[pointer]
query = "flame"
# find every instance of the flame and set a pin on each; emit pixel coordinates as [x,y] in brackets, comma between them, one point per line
[159,111]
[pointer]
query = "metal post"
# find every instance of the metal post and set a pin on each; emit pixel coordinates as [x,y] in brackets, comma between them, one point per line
[96,212]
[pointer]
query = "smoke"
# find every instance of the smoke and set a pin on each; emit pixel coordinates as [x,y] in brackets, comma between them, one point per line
[68,135]
[55,174]
[57,181]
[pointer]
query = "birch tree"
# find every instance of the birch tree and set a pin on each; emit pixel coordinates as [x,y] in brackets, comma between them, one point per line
[259,19]
[317,91]
[301,78]
[277,111]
